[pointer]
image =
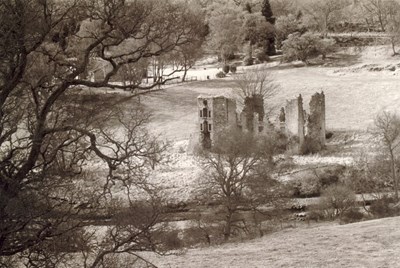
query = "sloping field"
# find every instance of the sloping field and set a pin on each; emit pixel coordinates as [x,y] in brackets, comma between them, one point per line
[352,98]
[372,244]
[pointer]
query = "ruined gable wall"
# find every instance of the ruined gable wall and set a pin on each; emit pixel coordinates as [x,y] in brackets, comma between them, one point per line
[294,118]
[316,120]
[253,105]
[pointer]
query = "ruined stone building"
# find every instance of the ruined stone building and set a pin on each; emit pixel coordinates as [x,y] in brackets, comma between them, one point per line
[218,112]
[302,127]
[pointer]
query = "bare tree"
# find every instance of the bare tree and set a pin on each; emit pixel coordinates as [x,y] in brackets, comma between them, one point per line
[323,14]
[239,167]
[336,200]
[378,11]
[387,128]
[254,90]
[64,152]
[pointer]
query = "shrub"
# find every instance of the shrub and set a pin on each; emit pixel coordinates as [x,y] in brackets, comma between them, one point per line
[329,135]
[262,57]
[220,74]
[310,146]
[305,187]
[172,240]
[286,25]
[310,187]
[303,47]
[382,207]
[233,69]
[225,69]
[310,183]
[352,215]
[248,61]
[336,200]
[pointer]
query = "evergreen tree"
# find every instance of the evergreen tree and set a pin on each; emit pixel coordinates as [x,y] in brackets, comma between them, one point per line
[269,16]
[248,8]
[267,12]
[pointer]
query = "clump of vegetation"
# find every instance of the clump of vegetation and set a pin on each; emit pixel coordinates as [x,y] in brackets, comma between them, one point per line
[220,74]
[248,61]
[303,47]
[262,57]
[233,69]
[171,240]
[226,69]
[352,215]
[310,146]
[311,183]
[336,200]
[383,207]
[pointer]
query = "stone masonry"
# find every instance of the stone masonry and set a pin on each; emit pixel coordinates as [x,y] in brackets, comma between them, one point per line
[215,114]
[316,119]
[294,119]
[295,122]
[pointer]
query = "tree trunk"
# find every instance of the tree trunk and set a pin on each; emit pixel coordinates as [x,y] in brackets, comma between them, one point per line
[250,50]
[394,175]
[228,224]
[393,46]
[184,72]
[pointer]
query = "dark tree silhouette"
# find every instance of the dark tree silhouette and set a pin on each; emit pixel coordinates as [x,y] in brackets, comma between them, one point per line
[266,10]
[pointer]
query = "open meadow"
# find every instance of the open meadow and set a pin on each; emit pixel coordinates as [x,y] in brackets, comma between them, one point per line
[354,95]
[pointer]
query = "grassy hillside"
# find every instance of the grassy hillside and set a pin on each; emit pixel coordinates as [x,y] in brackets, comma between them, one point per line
[373,243]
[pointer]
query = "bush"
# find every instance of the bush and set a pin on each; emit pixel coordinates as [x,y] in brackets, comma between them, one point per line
[248,61]
[225,69]
[383,207]
[310,183]
[172,240]
[352,215]
[310,146]
[336,200]
[233,69]
[220,74]
[262,57]
[303,47]
[310,187]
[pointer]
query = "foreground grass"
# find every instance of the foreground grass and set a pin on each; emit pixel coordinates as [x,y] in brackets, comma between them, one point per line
[374,243]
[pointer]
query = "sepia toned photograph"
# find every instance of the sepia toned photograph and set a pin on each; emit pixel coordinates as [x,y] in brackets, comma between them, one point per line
[199,133]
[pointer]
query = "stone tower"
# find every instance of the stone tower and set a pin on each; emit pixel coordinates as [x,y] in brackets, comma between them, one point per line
[294,119]
[215,114]
[316,129]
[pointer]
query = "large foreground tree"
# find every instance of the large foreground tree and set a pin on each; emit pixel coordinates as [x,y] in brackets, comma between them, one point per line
[66,154]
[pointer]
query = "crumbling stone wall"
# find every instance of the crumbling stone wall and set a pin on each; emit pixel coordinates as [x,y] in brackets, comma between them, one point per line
[253,106]
[294,119]
[306,130]
[316,120]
